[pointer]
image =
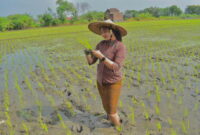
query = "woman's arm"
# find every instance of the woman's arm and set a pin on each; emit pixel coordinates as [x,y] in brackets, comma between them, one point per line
[118,60]
[91,59]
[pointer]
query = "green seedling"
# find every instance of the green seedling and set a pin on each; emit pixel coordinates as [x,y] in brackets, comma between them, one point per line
[26,129]
[148,132]
[173,132]
[120,103]
[159,126]
[132,115]
[146,115]
[157,110]
[119,128]
[68,132]
[85,43]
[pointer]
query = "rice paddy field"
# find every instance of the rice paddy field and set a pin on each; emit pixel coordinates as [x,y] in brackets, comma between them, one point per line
[47,87]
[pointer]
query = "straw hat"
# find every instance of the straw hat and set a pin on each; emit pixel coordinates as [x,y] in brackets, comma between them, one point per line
[95,27]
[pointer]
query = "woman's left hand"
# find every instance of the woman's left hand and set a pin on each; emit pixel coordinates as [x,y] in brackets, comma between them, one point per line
[97,53]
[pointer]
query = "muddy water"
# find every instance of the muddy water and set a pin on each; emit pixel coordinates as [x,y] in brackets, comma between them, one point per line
[179,99]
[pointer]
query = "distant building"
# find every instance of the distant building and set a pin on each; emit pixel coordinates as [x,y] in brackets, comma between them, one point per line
[114,14]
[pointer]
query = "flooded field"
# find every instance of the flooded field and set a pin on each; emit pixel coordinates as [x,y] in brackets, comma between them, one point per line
[47,87]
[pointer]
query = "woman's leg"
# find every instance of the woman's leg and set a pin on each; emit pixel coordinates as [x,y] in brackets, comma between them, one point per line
[102,93]
[112,93]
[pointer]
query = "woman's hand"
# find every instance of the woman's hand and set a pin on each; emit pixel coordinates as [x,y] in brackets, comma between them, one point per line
[87,51]
[97,54]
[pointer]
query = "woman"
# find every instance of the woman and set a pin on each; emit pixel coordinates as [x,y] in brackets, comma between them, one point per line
[111,53]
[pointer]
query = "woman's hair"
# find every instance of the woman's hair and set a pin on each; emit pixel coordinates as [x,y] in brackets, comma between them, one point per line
[115,32]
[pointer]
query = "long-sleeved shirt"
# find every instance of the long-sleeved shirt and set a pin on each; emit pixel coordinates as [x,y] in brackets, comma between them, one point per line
[116,52]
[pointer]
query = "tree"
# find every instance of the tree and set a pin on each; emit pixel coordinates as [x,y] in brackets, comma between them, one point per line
[175,11]
[46,19]
[165,11]
[21,21]
[82,7]
[193,9]
[49,18]
[130,13]
[154,11]
[93,15]
[5,24]
[65,8]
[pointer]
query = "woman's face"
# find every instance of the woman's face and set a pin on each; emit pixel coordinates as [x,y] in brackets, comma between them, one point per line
[105,33]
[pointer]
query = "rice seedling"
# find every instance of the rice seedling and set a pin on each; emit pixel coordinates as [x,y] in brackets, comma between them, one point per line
[173,132]
[159,126]
[183,127]
[169,121]
[20,93]
[68,132]
[147,132]
[70,107]
[43,125]
[54,66]
[146,115]
[157,94]
[26,129]
[85,43]
[132,115]
[157,109]
[120,103]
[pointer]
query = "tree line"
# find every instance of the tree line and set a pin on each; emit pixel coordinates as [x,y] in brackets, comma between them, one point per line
[80,13]
[168,11]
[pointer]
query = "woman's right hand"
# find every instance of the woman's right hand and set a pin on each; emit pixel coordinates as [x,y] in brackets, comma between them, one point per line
[87,51]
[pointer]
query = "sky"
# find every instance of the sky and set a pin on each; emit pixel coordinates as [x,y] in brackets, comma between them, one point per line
[36,7]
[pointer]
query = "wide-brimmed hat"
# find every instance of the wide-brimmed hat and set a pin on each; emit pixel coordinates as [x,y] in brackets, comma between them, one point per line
[95,27]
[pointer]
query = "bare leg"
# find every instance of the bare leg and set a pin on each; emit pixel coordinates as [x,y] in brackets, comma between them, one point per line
[115,119]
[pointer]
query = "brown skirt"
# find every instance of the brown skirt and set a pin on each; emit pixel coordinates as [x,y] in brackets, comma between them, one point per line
[110,94]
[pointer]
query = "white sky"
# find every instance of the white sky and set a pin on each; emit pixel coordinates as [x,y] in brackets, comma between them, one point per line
[35,7]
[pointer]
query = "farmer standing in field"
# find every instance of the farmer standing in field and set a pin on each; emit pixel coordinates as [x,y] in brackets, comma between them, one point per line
[111,53]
